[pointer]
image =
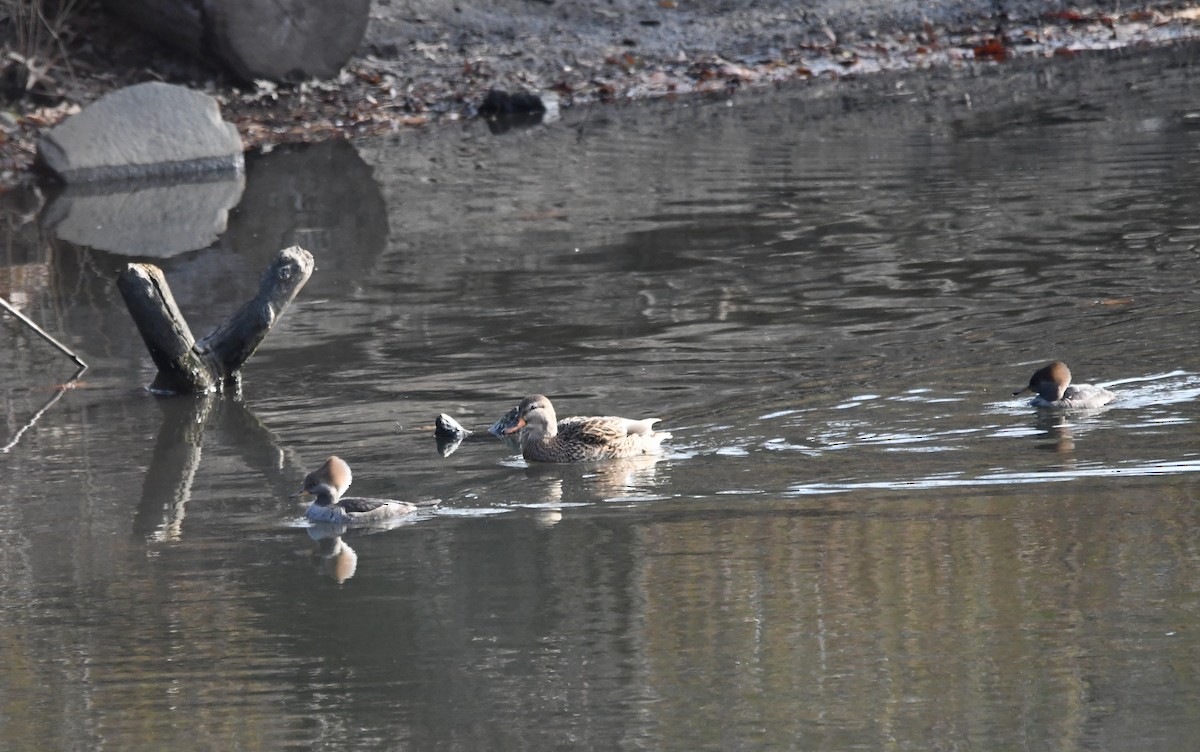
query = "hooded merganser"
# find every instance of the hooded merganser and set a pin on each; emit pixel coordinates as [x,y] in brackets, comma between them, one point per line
[330,481]
[1052,385]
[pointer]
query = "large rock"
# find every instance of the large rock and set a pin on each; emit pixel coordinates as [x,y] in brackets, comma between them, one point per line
[147,130]
[287,41]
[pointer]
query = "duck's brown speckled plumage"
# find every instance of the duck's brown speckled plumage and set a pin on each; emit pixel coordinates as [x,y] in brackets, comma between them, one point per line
[577,439]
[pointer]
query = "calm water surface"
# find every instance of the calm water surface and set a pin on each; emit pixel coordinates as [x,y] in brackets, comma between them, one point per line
[858,539]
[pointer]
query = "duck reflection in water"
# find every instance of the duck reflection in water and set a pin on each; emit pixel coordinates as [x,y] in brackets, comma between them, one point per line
[333,556]
[590,482]
[1057,429]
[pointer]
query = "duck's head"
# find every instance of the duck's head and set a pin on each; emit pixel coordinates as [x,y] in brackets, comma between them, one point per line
[335,474]
[1049,382]
[534,411]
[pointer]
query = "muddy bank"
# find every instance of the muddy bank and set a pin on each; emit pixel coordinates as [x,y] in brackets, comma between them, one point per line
[424,61]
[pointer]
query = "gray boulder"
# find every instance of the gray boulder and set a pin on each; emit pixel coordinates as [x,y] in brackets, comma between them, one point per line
[148,130]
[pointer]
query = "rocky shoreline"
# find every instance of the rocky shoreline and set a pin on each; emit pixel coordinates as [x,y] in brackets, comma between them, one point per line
[425,61]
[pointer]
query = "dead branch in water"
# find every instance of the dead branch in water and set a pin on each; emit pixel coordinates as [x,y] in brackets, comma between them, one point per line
[188,366]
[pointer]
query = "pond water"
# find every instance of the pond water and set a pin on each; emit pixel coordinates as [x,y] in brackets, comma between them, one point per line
[857,539]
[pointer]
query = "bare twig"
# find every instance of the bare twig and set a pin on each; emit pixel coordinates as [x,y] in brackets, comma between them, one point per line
[43,334]
[39,28]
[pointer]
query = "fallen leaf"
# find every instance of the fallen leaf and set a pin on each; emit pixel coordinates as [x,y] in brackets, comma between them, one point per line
[991,49]
[1143,15]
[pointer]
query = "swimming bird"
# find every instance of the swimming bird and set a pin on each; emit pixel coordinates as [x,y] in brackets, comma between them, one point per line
[546,439]
[1052,385]
[330,481]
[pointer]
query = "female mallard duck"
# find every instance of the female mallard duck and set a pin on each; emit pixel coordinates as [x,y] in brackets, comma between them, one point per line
[546,439]
[330,481]
[1052,385]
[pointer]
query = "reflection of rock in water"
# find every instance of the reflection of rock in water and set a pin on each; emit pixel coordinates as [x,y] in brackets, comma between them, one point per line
[24,267]
[333,556]
[504,112]
[151,170]
[322,197]
[155,219]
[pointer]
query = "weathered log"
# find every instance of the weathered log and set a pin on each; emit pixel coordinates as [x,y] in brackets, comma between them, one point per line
[231,344]
[286,41]
[185,365]
[181,368]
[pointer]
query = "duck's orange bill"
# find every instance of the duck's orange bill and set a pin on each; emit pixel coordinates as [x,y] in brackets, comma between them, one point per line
[520,424]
